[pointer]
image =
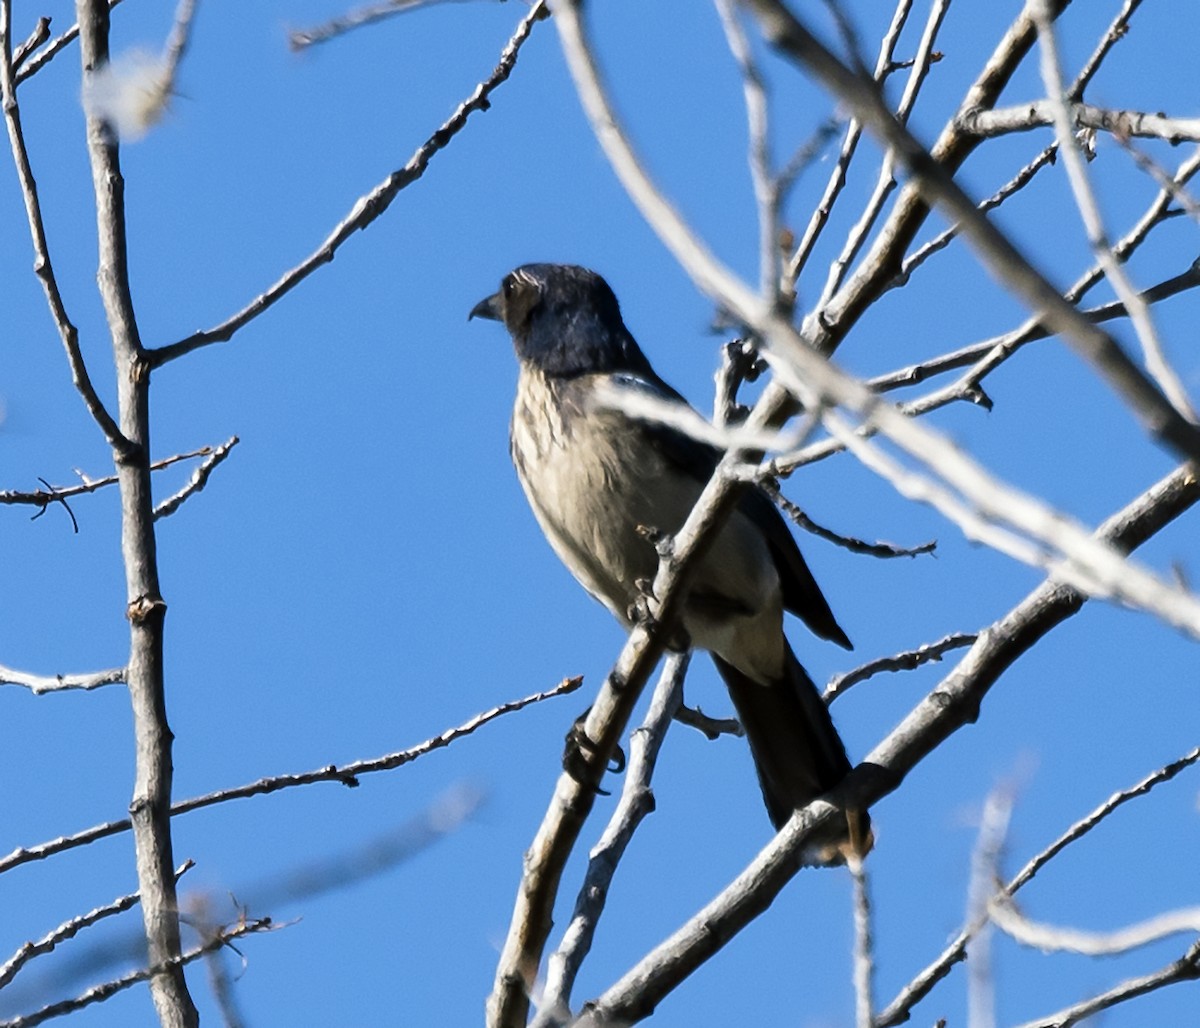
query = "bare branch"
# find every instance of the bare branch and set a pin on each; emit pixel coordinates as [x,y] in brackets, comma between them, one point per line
[1041,114]
[710,727]
[367,208]
[1185,969]
[909,660]
[39,35]
[943,239]
[222,937]
[1085,199]
[1117,31]
[70,928]
[38,684]
[788,34]
[198,480]
[346,774]
[899,1010]
[359,17]
[1056,938]
[985,859]
[884,551]
[636,801]
[886,182]
[837,177]
[42,266]
[58,493]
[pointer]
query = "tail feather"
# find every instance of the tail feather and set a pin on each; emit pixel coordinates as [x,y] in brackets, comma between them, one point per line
[797,751]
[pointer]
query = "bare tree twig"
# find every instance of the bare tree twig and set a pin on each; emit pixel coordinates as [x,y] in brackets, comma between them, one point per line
[837,177]
[52,49]
[1163,178]
[882,550]
[909,660]
[1057,938]
[899,1010]
[358,17]
[789,35]
[886,182]
[38,684]
[346,774]
[943,239]
[710,727]
[1117,30]
[1085,199]
[223,937]
[36,38]
[1041,114]
[69,929]
[55,493]
[198,480]
[635,803]
[367,208]
[1185,969]
[42,266]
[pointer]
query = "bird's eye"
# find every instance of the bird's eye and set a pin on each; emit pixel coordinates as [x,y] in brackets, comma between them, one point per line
[510,287]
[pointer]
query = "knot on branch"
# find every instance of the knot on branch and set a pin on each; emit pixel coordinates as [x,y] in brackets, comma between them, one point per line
[144,608]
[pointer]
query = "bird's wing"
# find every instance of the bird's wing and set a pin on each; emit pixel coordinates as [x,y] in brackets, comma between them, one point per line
[801,594]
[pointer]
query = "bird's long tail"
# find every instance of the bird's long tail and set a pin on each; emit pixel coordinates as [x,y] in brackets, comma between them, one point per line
[797,751]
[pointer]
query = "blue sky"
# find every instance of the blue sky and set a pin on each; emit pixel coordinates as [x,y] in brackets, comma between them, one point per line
[363,572]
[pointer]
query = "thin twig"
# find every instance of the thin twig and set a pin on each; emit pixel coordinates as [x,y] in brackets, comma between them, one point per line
[367,208]
[884,551]
[886,181]
[837,177]
[1185,969]
[346,774]
[39,35]
[198,480]
[1118,29]
[223,937]
[42,265]
[52,49]
[1044,113]
[710,727]
[909,660]
[922,984]
[38,684]
[359,17]
[1059,939]
[57,493]
[1089,209]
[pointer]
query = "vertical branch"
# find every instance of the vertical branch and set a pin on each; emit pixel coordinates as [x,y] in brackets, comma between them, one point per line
[150,806]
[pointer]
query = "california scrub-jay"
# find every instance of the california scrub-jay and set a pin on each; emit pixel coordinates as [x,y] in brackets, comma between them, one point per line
[597,478]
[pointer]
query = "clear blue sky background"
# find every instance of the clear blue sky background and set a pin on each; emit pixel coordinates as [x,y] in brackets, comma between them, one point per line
[363,572]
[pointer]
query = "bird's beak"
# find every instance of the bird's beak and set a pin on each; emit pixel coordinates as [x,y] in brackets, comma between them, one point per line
[489,308]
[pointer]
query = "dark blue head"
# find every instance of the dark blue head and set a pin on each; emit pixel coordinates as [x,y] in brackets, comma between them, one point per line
[564,320]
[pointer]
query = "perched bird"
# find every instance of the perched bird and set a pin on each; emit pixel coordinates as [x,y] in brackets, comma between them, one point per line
[597,478]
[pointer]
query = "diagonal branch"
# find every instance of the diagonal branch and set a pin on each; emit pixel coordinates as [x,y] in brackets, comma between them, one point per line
[42,266]
[367,208]
[345,774]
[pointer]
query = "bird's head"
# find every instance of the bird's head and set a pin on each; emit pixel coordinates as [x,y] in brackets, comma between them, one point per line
[564,320]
